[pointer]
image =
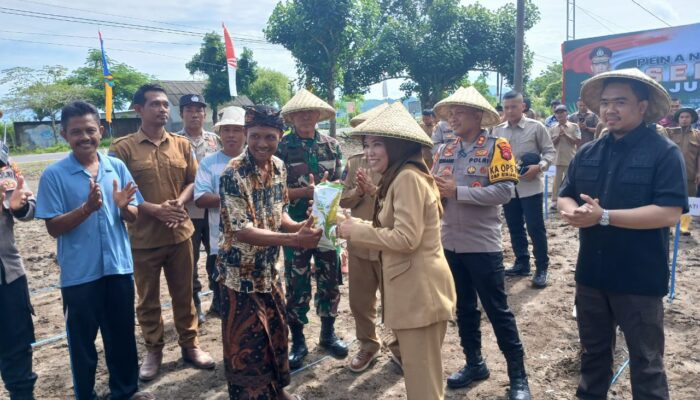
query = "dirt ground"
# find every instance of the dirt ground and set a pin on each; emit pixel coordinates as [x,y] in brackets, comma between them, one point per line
[544,319]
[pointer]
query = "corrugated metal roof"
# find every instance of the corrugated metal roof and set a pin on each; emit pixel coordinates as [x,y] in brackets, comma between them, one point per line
[176,89]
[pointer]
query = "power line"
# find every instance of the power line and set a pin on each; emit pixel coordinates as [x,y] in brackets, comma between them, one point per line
[544,57]
[598,16]
[650,13]
[111,49]
[107,14]
[110,38]
[595,19]
[94,38]
[123,25]
[130,17]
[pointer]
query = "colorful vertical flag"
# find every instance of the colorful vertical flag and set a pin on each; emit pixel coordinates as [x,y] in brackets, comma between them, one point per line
[231,62]
[109,83]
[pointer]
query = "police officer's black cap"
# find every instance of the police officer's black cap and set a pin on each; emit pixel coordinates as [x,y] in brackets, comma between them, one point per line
[600,51]
[189,99]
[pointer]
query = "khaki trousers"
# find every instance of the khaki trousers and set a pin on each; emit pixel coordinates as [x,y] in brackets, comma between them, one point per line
[421,359]
[558,179]
[365,279]
[176,263]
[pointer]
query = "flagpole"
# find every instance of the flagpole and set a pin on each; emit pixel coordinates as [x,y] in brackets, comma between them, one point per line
[108,85]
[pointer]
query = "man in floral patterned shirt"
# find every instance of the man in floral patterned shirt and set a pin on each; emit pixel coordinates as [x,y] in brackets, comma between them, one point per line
[254,223]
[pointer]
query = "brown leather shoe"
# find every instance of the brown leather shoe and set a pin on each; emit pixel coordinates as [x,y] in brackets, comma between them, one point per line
[151,365]
[198,357]
[362,360]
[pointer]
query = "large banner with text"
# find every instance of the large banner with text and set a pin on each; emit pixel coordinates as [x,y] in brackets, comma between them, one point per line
[670,55]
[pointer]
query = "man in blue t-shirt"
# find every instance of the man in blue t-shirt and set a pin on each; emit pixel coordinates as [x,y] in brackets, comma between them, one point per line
[231,130]
[84,199]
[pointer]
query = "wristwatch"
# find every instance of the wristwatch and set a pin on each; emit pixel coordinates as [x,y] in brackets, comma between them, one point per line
[605,218]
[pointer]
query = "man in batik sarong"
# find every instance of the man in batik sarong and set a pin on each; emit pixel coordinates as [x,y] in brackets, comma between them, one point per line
[254,224]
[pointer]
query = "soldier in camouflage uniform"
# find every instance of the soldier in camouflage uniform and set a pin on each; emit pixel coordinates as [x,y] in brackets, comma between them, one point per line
[309,156]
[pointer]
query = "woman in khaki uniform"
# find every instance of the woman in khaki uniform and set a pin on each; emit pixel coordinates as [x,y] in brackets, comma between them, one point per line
[688,140]
[419,295]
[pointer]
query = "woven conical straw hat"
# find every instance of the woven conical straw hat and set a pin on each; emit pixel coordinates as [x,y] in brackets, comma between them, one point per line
[659,100]
[394,122]
[307,101]
[468,97]
[362,117]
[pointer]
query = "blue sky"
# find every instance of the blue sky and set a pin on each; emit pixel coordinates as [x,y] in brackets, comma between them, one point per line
[25,41]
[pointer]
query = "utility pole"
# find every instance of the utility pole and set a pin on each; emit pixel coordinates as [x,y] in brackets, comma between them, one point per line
[519,46]
[570,19]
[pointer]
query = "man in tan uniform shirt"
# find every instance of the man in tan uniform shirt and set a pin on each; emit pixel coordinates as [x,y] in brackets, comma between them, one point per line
[364,267]
[688,140]
[565,137]
[163,166]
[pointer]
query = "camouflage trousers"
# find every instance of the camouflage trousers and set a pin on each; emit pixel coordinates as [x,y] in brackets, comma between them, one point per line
[297,273]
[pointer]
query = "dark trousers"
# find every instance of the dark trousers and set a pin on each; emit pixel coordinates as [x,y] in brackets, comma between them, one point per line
[212,274]
[16,337]
[106,304]
[200,236]
[527,211]
[641,319]
[482,275]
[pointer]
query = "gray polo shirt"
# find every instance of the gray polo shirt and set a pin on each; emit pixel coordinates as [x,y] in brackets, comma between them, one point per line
[471,222]
[528,136]
[12,266]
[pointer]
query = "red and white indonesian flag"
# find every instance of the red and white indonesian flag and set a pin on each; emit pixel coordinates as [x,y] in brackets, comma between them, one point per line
[230,63]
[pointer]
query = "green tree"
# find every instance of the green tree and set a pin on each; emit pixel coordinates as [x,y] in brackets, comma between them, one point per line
[247,71]
[270,88]
[546,87]
[126,80]
[44,91]
[435,43]
[342,105]
[482,86]
[324,37]
[211,62]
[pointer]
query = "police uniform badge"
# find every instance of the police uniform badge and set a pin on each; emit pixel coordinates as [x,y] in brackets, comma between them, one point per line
[445,170]
[449,150]
[502,167]
[506,151]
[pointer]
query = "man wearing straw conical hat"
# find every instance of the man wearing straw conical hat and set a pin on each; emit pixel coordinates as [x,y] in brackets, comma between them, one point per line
[623,191]
[309,157]
[359,193]
[475,175]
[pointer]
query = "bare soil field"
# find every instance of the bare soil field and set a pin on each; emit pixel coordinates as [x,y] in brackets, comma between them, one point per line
[544,319]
